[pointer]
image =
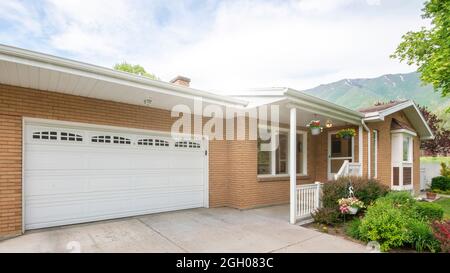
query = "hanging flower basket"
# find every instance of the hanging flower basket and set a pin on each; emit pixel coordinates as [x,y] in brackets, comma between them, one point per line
[353,210]
[346,133]
[315,127]
[350,205]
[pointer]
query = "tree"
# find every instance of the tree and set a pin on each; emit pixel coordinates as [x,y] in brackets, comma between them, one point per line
[430,48]
[440,145]
[134,69]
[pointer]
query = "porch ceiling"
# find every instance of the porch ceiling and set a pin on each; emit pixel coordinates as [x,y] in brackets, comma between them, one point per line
[305,115]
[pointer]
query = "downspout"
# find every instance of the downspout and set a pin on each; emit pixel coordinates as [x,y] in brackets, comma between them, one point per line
[368,147]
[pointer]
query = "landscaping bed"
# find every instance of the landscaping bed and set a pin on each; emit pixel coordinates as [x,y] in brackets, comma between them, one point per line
[394,220]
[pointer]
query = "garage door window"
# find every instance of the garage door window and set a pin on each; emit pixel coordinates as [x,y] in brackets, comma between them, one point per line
[121,140]
[101,139]
[161,143]
[46,135]
[187,144]
[145,142]
[71,137]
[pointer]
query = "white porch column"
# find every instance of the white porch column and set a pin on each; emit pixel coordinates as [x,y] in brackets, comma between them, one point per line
[293,164]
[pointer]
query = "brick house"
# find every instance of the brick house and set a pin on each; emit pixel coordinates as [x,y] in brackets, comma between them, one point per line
[81,143]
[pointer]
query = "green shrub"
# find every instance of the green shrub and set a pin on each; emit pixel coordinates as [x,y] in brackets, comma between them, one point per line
[369,190]
[401,199]
[327,216]
[366,190]
[386,224]
[421,236]
[352,228]
[429,211]
[440,183]
[445,169]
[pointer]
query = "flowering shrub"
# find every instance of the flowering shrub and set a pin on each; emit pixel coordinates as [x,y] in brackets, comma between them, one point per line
[314,124]
[346,203]
[442,234]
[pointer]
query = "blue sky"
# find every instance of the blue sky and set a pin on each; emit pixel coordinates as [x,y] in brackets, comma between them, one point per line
[221,45]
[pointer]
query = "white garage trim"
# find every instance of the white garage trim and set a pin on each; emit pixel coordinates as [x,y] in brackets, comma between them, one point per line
[116,140]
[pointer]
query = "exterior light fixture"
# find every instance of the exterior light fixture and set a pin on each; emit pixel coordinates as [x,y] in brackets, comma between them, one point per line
[148,102]
[329,124]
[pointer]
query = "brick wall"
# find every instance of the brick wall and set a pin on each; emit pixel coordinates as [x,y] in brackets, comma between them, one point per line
[10,174]
[384,150]
[19,102]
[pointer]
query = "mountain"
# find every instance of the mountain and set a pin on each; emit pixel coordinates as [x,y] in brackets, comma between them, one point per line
[358,93]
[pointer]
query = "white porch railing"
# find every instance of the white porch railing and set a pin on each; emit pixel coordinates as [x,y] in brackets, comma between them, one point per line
[349,169]
[308,200]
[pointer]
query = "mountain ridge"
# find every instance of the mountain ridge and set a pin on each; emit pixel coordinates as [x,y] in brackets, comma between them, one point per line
[365,92]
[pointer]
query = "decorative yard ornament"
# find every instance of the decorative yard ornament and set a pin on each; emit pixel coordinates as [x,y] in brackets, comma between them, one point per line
[351,193]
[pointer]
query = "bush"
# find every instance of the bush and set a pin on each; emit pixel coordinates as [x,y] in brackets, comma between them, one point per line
[401,198]
[429,211]
[366,190]
[398,220]
[440,183]
[352,228]
[386,224]
[445,169]
[369,190]
[442,234]
[421,236]
[327,216]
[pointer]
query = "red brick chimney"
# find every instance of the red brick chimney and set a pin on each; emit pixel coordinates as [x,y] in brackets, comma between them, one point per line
[180,80]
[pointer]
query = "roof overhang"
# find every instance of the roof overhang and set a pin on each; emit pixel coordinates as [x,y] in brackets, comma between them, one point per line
[24,68]
[413,114]
[322,107]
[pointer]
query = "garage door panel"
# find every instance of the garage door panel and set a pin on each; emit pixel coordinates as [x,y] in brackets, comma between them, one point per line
[81,182]
[49,185]
[54,160]
[187,161]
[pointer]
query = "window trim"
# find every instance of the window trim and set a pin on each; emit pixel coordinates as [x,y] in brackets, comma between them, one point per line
[273,133]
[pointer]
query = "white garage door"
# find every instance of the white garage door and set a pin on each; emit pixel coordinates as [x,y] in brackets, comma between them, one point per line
[74,175]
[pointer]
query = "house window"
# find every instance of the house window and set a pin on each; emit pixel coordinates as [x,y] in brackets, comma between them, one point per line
[264,157]
[407,147]
[276,161]
[281,155]
[374,154]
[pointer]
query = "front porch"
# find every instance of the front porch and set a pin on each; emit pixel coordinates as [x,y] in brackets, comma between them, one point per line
[309,160]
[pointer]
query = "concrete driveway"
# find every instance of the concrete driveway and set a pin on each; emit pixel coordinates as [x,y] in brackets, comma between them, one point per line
[196,230]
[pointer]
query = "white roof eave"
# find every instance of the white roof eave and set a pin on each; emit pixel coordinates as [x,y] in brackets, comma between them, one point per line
[28,57]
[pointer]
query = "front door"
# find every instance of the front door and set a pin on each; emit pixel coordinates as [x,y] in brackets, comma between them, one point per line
[339,150]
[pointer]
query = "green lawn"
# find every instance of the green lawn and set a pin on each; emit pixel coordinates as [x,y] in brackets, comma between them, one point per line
[430,159]
[445,203]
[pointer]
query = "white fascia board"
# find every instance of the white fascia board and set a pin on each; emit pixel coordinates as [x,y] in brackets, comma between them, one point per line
[26,57]
[404,105]
[404,131]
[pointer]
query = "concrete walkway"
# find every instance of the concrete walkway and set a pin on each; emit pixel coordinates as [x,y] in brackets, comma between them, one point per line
[196,230]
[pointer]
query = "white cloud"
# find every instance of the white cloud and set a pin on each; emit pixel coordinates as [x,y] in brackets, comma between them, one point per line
[231,44]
